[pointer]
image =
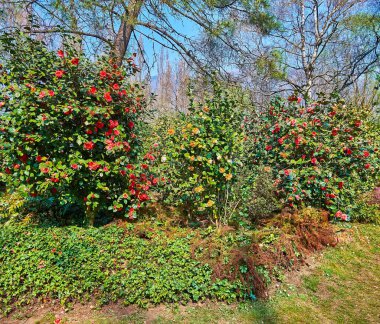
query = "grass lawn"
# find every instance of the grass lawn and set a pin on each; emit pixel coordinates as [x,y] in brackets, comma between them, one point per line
[341,286]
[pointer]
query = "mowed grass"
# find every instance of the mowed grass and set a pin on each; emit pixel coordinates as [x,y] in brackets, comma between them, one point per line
[344,287]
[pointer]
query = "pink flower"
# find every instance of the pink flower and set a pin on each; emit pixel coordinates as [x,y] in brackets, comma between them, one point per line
[314,160]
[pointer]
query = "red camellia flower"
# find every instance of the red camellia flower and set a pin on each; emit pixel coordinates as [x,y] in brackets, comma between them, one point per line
[92,90]
[88,145]
[51,93]
[115,86]
[103,74]
[23,158]
[268,147]
[143,197]
[108,97]
[123,172]
[42,95]
[287,172]
[55,180]
[358,123]
[340,185]
[16,166]
[113,123]
[366,154]
[59,73]
[116,132]
[45,170]
[93,166]
[334,132]
[131,124]
[39,158]
[367,166]
[60,53]
[99,125]
[347,151]
[314,160]
[68,112]
[297,140]
[75,61]
[74,166]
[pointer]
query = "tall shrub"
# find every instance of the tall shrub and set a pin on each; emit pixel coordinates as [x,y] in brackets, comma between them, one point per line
[317,153]
[69,127]
[202,153]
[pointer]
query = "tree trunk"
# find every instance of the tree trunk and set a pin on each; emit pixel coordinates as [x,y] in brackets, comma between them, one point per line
[90,215]
[124,33]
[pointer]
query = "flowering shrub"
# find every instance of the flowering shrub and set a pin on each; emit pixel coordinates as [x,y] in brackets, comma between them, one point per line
[201,155]
[316,152]
[69,128]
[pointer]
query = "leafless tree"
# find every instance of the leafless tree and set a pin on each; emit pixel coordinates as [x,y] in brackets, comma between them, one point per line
[321,44]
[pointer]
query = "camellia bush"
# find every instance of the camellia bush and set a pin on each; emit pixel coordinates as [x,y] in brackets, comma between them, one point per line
[201,154]
[322,154]
[69,128]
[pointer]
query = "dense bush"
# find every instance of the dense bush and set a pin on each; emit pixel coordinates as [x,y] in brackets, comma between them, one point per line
[104,264]
[322,154]
[201,154]
[70,128]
